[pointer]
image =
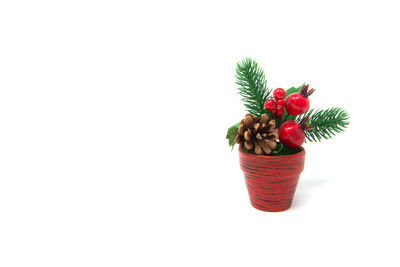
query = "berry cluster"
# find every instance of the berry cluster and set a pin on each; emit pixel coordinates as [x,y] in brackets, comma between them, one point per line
[276,106]
[291,134]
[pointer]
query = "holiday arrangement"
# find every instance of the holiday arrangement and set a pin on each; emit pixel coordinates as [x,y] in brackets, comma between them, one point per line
[271,135]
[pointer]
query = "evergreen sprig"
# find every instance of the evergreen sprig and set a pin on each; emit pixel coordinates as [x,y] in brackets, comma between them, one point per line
[252,86]
[326,123]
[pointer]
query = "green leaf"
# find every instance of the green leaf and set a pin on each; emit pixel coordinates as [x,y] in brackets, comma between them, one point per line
[252,86]
[231,134]
[282,150]
[292,90]
[326,122]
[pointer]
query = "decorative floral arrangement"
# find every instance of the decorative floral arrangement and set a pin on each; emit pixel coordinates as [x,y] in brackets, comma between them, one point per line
[279,121]
[271,135]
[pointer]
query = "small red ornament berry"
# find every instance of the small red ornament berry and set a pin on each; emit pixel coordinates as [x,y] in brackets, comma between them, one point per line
[292,134]
[279,93]
[298,103]
[279,111]
[281,102]
[270,105]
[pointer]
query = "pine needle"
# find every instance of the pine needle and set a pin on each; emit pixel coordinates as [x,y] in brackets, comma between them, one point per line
[326,123]
[252,86]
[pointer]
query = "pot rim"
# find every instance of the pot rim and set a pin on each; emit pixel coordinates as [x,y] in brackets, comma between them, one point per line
[298,154]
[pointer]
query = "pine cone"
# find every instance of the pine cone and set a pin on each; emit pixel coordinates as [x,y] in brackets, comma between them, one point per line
[257,135]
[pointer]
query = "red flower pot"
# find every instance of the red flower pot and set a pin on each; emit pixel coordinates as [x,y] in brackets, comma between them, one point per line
[272,180]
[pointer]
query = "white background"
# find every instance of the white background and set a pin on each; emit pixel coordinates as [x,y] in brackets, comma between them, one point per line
[113,116]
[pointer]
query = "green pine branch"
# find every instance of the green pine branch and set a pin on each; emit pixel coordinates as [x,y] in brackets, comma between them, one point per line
[252,86]
[326,123]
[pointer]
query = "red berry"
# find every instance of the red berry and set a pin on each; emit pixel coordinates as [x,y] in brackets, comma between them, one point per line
[279,93]
[279,111]
[291,134]
[270,105]
[298,103]
[281,102]
[273,111]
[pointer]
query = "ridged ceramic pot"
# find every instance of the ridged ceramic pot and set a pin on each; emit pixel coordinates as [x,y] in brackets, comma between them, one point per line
[272,180]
